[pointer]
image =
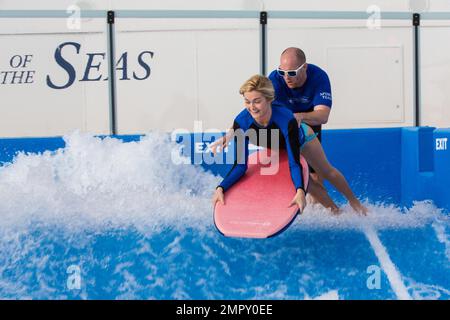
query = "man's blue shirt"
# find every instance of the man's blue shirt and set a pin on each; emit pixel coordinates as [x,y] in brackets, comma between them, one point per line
[315,91]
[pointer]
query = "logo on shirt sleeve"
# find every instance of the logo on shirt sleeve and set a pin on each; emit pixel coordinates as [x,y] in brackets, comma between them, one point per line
[325,95]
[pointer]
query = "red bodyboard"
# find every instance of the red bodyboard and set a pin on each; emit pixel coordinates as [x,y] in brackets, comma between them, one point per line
[257,205]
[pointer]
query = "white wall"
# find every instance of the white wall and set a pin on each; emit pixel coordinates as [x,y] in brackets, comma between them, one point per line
[435,74]
[28,105]
[197,66]
[370,69]
[196,75]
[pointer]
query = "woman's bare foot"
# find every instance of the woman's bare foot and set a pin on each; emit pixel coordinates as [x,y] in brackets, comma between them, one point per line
[359,208]
[310,199]
[336,211]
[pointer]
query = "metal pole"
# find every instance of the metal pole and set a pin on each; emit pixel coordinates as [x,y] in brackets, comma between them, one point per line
[416,24]
[112,73]
[263,23]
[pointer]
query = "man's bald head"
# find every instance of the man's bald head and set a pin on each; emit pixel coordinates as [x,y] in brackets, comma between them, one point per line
[292,59]
[293,54]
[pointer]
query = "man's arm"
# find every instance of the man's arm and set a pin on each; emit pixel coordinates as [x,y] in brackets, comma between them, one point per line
[314,118]
[322,102]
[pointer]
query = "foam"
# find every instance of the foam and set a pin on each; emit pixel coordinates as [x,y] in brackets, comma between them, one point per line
[95,182]
[106,183]
[380,217]
[439,227]
[422,291]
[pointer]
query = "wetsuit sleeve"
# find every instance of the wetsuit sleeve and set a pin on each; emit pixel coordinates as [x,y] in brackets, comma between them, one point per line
[240,160]
[293,149]
[322,94]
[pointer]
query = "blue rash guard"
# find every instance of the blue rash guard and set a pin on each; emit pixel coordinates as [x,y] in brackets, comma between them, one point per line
[315,91]
[290,137]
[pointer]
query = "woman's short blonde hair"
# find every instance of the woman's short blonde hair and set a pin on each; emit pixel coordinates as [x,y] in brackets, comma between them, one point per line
[261,84]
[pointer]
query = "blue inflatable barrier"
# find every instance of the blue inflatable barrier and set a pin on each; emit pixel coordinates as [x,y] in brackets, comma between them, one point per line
[425,166]
[441,196]
[369,159]
[417,167]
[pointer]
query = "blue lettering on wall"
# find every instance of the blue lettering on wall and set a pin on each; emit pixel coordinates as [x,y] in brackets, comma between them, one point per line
[124,60]
[93,65]
[144,65]
[65,65]
[90,66]
[18,77]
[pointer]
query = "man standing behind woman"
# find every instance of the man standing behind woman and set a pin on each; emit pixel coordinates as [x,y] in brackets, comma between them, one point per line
[305,90]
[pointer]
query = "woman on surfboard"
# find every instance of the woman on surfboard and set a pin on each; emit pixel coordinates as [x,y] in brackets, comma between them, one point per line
[258,115]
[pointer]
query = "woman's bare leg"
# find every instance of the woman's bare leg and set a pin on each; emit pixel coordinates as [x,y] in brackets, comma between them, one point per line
[318,180]
[320,194]
[314,155]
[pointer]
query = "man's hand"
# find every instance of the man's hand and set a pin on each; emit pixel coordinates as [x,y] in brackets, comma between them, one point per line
[218,196]
[299,200]
[317,117]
